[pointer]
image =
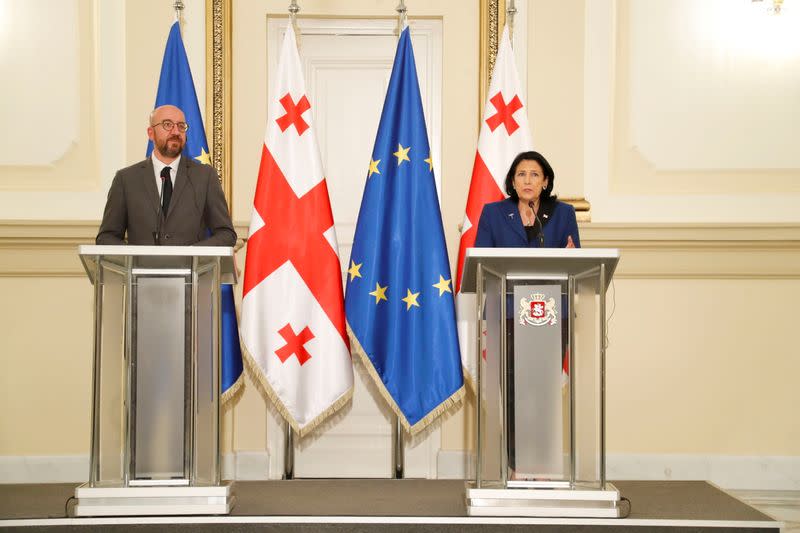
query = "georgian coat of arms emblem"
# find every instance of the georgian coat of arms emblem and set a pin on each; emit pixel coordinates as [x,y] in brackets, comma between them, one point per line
[538,310]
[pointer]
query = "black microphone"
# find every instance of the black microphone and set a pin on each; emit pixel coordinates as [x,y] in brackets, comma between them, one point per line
[157,232]
[540,236]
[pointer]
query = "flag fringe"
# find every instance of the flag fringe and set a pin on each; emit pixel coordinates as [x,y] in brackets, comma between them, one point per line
[468,381]
[454,399]
[234,390]
[262,383]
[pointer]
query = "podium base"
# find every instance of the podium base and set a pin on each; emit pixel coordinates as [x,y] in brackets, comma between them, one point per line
[153,501]
[573,503]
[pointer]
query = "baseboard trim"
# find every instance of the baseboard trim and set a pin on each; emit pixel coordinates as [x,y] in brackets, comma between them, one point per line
[249,465]
[44,469]
[772,479]
[455,464]
[742,473]
[727,471]
[246,466]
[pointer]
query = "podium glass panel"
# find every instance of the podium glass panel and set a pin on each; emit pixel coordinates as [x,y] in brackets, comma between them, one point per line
[161,358]
[587,380]
[538,408]
[108,414]
[491,463]
[206,379]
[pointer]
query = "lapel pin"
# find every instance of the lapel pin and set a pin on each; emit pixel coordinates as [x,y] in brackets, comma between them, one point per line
[545,215]
[511,215]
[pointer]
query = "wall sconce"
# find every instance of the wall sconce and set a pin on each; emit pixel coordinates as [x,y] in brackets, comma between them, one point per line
[775,8]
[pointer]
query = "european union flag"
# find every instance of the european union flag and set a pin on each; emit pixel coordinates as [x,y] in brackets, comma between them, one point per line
[399,300]
[176,87]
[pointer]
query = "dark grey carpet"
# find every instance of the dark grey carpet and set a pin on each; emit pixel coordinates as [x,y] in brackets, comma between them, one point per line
[660,500]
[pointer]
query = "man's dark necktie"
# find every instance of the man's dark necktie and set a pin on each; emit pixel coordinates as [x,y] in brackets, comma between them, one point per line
[166,190]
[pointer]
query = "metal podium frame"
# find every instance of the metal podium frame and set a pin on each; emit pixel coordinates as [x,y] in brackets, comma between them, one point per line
[591,271]
[155,446]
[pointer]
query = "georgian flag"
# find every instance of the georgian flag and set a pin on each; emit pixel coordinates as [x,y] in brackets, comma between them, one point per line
[504,134]
[293,323]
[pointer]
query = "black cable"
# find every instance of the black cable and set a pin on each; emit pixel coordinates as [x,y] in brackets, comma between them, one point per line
[628,512]
[613,310]
[66,506]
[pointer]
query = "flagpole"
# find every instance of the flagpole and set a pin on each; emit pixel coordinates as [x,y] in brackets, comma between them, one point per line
[294,9]
[178,6]
[510,12]
[288,454]
[398,449]
[288,450]
[402,18]
[398,446]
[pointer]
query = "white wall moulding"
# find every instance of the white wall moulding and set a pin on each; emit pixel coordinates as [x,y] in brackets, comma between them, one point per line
[771,479]
[43,248]
[677,122]
[455,464]
[711,117]
[710,87]
[706,251]
[44,469]
[65,173]
[52,98]
[40,61]
[49,248]
[243,465]
[246,465]
[727,471]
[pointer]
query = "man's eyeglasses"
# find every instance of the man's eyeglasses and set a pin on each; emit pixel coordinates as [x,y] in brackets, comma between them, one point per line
[168,125]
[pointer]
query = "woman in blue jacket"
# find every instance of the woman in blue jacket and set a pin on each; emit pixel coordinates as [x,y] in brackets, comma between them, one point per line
[531,216]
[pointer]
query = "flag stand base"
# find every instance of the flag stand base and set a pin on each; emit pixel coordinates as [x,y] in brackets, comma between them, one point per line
[154,500]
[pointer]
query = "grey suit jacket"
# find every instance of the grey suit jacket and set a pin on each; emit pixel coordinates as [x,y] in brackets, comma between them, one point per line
[197,205]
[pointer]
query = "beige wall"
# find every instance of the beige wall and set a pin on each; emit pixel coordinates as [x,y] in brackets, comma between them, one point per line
[46,360]
[702,359]
[556,88]
[703,366]
[703,355]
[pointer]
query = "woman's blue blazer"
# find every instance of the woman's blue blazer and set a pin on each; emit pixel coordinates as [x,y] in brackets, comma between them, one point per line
[500,226]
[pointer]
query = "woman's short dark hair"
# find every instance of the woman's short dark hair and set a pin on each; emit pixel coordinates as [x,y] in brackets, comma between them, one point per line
[547,193]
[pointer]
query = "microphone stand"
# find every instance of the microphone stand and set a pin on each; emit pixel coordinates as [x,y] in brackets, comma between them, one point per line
[157,232]
[540,236]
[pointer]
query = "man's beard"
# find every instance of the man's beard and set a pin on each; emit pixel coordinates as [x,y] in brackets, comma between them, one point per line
[165,150]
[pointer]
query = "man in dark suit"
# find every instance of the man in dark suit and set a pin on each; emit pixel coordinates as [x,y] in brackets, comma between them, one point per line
[167,199]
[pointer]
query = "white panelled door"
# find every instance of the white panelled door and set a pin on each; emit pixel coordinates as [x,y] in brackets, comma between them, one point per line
[347,64]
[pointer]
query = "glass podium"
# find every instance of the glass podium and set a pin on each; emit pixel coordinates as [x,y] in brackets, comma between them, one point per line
[540,381]
[156,381]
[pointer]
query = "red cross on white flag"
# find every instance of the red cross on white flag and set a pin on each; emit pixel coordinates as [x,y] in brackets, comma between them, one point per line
[504,134]
[293,324]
